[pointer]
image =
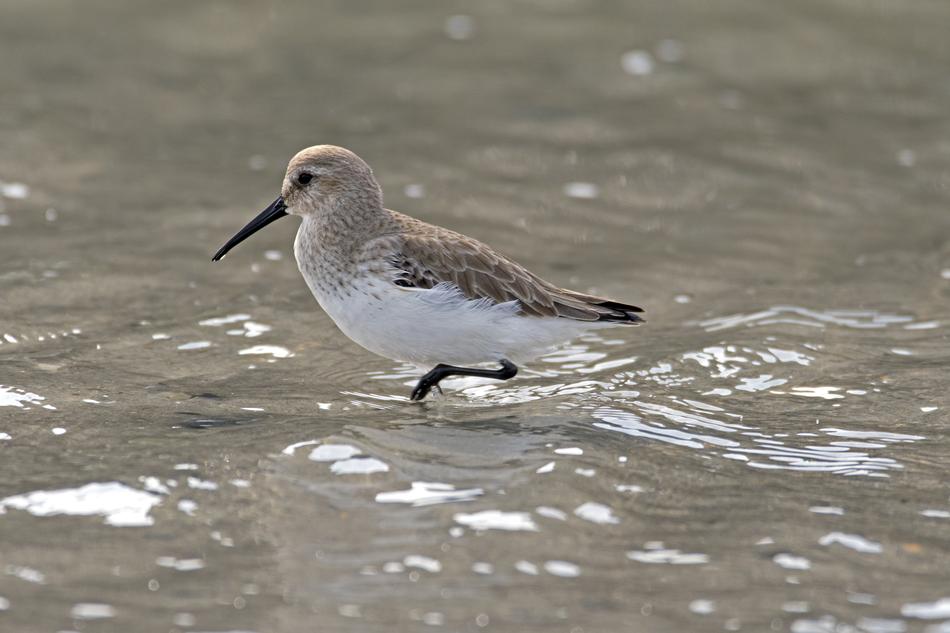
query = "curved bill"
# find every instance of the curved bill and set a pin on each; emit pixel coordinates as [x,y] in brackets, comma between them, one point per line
[275,211]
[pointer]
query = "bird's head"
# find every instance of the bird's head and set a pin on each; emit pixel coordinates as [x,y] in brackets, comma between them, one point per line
[321,181]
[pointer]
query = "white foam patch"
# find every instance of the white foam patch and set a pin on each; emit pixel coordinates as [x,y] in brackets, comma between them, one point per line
[571,450]
[923,325]
[273,350]
[562,568]
[667,556]
[121,505]
[154,484]
[790,561]
[526,567]
[219,321]
[201,484]
[195,345]
[293,447]
[424,493]
[596,513]
[359,466]
[14,397]
[873,435]
[253,329]
[551,513]
[790,356]
[430,565]
[180,564]
[14,190]
[628,488]
[185,620]
[250,329]
[483,568]
[333,452]
[581,190]
[702,607]
[852,541]
[497,520]
[25,573]
[760,383]
[927,610]
[825,393]
[92,611]
[637,63]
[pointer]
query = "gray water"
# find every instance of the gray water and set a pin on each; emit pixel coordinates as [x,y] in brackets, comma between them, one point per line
[195,447]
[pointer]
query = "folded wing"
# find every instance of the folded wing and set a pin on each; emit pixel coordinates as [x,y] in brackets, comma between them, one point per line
[428,255]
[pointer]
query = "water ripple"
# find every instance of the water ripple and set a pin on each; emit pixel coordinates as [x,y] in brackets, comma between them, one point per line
[794,315]
[757,450]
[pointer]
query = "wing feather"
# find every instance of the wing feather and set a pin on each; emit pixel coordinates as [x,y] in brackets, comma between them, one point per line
[427,255]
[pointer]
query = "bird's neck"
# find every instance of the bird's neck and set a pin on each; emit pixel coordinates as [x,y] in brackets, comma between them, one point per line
[340,229]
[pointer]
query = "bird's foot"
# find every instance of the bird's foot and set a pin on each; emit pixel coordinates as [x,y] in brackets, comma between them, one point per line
[422,389]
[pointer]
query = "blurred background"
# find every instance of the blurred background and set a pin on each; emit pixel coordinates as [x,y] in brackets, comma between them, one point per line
[769,180]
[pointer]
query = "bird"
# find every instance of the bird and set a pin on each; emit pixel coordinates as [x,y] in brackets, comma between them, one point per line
[415,292]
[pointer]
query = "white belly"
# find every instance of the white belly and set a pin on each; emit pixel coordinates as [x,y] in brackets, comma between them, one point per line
[427,327]
[440,325]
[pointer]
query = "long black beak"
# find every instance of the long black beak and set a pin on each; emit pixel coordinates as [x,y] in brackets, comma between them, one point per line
[275,211]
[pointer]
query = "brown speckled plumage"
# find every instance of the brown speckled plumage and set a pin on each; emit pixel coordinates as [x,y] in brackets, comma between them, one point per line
[356,235]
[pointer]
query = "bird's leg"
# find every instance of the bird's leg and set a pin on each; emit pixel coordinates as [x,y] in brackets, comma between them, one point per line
[440,371]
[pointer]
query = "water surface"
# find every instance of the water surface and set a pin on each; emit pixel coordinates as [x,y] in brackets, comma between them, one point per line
[195,447]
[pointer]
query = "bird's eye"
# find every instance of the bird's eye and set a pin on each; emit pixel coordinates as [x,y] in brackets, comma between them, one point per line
[304,178]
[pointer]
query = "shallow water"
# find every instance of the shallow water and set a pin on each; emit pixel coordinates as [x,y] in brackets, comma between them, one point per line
[194,447]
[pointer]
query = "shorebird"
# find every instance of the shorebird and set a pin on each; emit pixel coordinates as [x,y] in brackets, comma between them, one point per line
[415,292]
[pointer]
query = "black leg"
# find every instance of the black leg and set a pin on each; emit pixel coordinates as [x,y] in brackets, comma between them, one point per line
[440,371]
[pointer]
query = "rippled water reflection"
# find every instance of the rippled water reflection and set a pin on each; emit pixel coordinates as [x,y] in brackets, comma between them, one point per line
[188,447]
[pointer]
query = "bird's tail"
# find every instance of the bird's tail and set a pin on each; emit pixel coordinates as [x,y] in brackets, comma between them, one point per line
[600,309]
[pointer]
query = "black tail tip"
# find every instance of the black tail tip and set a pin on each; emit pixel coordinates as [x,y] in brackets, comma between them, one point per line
[624,313]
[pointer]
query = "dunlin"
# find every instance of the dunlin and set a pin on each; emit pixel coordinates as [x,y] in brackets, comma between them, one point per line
[415,292]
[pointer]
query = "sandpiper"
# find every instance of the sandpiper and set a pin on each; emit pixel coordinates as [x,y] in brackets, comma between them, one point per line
[412,291]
